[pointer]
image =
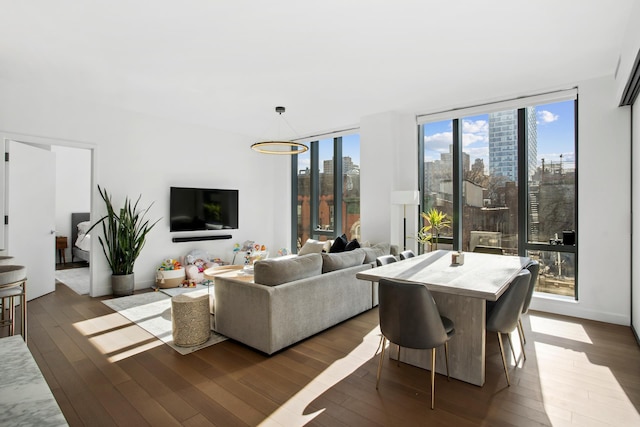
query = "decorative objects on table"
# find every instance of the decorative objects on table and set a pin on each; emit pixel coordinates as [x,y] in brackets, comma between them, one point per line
[457,258]
[435,221]
[124,234]
[280,146]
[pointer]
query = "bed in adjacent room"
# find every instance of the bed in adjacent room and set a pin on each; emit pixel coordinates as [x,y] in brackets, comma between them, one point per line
[80,224]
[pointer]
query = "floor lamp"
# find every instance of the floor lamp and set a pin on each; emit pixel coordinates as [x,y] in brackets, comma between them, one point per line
[404,198]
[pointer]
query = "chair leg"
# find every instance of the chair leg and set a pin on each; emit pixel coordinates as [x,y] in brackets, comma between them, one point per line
[379,344]
[446,358]
[12,316]
[23,323]
[433,376]
[504,360]
[521,336]
[524,339]
[398,361]
[384,342]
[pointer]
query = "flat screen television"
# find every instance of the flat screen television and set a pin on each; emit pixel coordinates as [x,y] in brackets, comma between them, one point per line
[198,209]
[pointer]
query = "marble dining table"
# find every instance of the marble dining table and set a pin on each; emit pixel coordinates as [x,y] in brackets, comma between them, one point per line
[461,292]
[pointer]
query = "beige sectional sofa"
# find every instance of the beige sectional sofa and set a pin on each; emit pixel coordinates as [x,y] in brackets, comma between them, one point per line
[293,298]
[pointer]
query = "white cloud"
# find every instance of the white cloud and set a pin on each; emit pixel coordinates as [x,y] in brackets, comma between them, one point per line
[439,141]
[473,132]
[477,126]
[545,116]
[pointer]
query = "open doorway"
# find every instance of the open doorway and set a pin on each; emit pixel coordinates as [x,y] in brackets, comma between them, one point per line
[73,205]
[28,197]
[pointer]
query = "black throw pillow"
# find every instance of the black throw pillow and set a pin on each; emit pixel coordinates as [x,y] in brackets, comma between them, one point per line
[339,244]
[352,245]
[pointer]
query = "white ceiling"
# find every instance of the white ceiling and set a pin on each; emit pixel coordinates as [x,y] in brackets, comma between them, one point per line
[227,64]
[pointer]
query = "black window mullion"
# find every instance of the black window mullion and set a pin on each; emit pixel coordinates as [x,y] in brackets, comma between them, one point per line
[523,181]
[337,186]
[421,176]
[294,202]
[314,184]
[456,222]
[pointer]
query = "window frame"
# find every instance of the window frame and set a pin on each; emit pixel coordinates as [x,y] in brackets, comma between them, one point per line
[314,191]
[520,104]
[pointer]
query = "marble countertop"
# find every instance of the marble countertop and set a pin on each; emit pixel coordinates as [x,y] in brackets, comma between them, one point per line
[25,397]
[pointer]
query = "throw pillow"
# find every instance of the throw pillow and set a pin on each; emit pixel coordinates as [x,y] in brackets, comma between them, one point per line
[352,245]
[373,252]
[311,246]
[338,261]
[339,244]
[275,271]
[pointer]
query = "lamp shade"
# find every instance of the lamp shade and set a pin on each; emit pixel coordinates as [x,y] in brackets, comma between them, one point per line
[411,197]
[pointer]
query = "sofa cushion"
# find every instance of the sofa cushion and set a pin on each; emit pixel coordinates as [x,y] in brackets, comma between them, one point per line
[339,244]
[338,261]
[373,252]
[275,271]
[312,246]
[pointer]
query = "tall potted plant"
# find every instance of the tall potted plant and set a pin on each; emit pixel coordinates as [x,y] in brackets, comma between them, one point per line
[125,231]
[434,222]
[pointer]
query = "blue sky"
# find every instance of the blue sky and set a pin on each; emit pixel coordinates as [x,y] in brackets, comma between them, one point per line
[555,129]
[350,148]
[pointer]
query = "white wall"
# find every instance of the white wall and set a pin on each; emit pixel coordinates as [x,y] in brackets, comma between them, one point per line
[629,50]
[389,162]
[628,54]
[137,154]
[604,208]
[73,188]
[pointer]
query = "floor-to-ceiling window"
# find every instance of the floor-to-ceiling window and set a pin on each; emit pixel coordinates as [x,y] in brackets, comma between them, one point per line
[507,180]
[326,192]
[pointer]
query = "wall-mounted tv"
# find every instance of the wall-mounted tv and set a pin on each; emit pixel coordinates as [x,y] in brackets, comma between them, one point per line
[197,209]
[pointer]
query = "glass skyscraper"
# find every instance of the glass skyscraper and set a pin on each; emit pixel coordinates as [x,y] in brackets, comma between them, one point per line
[503,143]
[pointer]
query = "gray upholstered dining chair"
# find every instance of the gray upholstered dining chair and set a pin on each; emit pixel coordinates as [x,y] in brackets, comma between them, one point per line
[410,318]
[385,259]
[534,269]
[406,254]
[506,313]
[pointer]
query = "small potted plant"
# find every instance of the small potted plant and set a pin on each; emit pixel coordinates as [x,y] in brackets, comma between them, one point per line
[125,232]
[434,222]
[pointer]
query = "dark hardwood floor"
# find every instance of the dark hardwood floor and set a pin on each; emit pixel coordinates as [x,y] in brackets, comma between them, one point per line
[105,371]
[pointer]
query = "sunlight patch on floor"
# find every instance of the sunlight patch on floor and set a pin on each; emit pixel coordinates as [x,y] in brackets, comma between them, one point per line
[292,413]
[575,390]
[116,337]
[559,328]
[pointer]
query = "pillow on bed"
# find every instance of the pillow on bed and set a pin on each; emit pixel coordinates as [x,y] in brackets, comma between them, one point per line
[84,242]
[83,227]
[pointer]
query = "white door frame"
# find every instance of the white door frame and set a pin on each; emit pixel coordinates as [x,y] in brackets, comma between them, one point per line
[48,142]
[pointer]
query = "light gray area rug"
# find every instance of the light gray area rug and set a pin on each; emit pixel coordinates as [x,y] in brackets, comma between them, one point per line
[152,312]
[180,290]
[75,278]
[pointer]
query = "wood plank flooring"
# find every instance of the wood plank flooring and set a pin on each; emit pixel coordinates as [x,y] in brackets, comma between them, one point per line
[104,371]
